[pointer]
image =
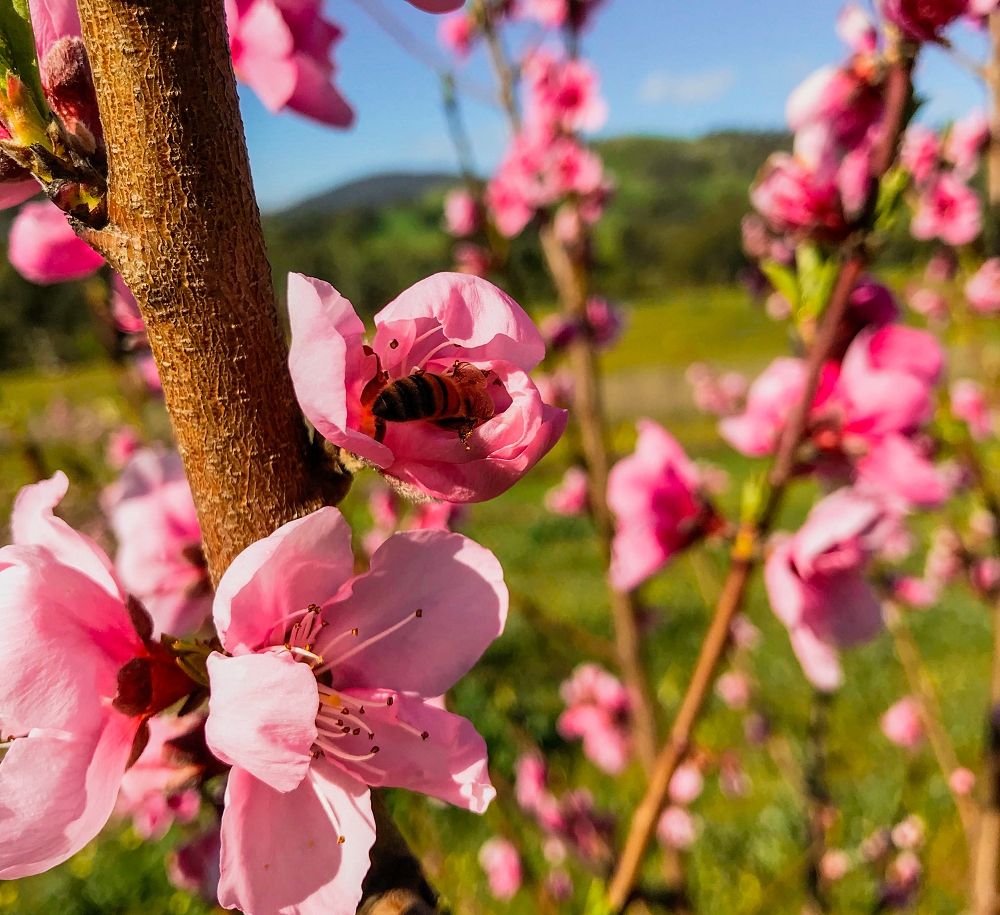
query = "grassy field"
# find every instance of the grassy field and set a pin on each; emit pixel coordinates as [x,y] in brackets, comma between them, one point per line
[749,856]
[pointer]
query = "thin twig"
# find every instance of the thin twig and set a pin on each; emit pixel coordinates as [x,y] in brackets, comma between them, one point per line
[817,802]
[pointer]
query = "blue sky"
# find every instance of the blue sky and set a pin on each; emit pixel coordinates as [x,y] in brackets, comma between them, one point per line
[668,67]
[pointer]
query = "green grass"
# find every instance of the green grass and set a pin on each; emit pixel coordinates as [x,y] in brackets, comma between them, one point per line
[749,856]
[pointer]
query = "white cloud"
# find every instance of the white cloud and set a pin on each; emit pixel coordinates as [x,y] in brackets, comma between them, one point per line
[661,87]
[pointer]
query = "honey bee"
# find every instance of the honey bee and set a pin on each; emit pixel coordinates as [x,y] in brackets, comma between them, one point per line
[457,400]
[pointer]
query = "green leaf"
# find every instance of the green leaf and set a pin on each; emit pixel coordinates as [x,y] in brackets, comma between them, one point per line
[756,491]
[597,902]
[890,193]
[817,275]
[784,280]
[17,49]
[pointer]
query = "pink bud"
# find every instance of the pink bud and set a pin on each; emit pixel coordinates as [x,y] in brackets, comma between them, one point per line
[834,865]
[677,829]
[962,781]
[902,724]
[686,785]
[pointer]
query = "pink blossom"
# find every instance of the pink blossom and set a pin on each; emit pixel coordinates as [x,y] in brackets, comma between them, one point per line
[315,652]
[550,13]
[834,865]
[654,494]
[961,781]
[160,559]
[564,94]
[985,575]
[722,395]
[816,584]
[530,781]
[124,308]
[122,444]
[856,29]
[282,50]
[445,319]
[920,152]
[599,711]
[153,791]
[502,863]
[929,303]
[44,249]
[966,140]
[843,101]
[970,404]
[917,592]
[983,289]
[570,497]
[745,635]
[70,713]
[944,558]
[686,784]
[457,33]
[474,260]
[770,398]
[676,829]
[922,20]
[461,213]
[909,833]
[734,689]
[798,200]
[902,724]
[948,210]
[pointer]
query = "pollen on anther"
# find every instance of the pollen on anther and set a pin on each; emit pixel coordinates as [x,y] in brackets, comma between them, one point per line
[356,731]
[420,613]
[361,710]
[389,701]
[371,735]
[424,735]
[393,344]
[341,840]
[374,750]
[354,631]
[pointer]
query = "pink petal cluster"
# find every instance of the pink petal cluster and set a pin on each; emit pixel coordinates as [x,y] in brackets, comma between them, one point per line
[599,710]
[124,308]
[160,559]
[798,200]
[923,20]
[865,415]
[122,444]
[282,50]
[324,691]
[970,404]
[903,725]
[920,153]
[444,319]
[462,214]
[686,785]
[44,249]
[655,496]
[966,141]
[555,14]
[734,689]
[564,95]
[983,289]
[70,716]
[677,829]
[722,395]
[502,863]
[948,209]
[817,587]
[571,496]
[458,34]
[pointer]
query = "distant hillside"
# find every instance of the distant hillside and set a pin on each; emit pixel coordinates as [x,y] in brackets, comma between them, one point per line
[675,219]
[375,191]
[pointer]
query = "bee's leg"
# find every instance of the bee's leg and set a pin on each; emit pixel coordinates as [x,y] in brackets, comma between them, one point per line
[379,429]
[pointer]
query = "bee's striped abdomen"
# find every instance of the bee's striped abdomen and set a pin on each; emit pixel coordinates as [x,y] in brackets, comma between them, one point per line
[422,396]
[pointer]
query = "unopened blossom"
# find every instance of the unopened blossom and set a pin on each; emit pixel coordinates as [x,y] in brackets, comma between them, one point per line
[659,510]
[502,863]
[948,209]
[676,829]
[966,140]
[686,784]
[324,691]
[530,781]
[734,689]
[983,289]
[160,558]
[922,20]
[961,781]
[920,152]
[81,676]
[834,865]
[457,33]
[461,213]
[817,587]
[928,302]
[443,322]
[984,576]
[282,49]
[909,833]
[744,633]
[970,404]
[570,497]
[155,792]
[44,249]
[122,444]
[599,710]
[902,724]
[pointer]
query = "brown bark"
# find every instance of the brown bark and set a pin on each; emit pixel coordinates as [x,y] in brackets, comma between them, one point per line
[184,231]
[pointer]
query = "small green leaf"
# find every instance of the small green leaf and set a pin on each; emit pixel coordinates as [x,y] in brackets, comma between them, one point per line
[784,280]
[597,902]
[817,275]
[890,194]
[756,489]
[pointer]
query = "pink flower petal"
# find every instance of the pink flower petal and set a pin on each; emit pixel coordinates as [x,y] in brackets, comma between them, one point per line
[893,465]
[458,587]
[52,20]
[304,562]
[820,661]
[281,853]
[44,249]
[262,715]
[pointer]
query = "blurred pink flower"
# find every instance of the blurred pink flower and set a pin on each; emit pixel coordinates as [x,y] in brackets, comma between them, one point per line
[902,724]
[856,29]
[160,559]
[606,322]
[570,497]
[909,833]
[282,50]
[599,710]
[124,308]
[44,249]
[983,289]
[928,302]
[922,20]
[970,404]
[297,798]
[122,444]
[745,635]
[564,94]
[530,781]
[474,260]
[149,374]
[502,863]
[734,689]
[654,494]
[985,575]
[817,587]
[962,781]
[770,398]
[686,784]
[966,140]
[461,213]
[550,13]
[70,652]
[920,153]
[834,865]
[457,33]
[797,199]
[917,592]
[558,885]
[677,829]
[948,209]
[446,318]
